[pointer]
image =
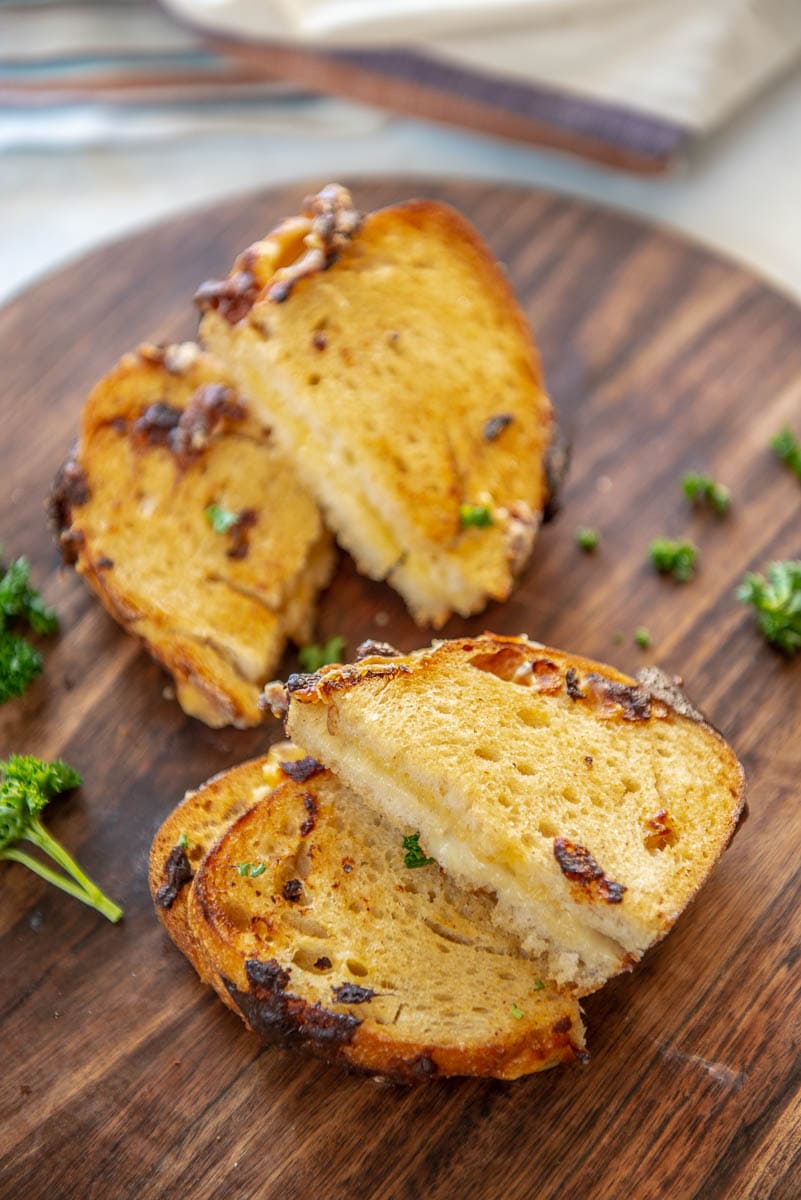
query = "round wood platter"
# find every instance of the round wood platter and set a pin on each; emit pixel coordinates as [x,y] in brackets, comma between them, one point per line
[122,1075]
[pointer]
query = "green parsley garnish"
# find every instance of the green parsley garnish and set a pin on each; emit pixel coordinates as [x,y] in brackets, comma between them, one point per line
[183,841]
[252,870]
[702,489]
[476,515]
[311,658]
[539,986]
[674,558]
[777,603]
[516,1012]
[26,786]
[786,446]
[222,520]
[642,637]
[587,539]
[20,662]
[414,856]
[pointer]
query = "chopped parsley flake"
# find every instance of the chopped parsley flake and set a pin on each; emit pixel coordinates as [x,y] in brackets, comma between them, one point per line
[776,601]
[587,539]
[702,489]
[183,841]
[539,986]
[516,1012]
[786,446]
[311,658]
[414,856]
[475,515]
[642,637]
[252,870]
[222,520]
[674,558]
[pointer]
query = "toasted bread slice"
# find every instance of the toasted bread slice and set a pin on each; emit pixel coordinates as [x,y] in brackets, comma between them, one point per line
[189,832]
[392,359]
[594,805]
[306,921]
[163,438]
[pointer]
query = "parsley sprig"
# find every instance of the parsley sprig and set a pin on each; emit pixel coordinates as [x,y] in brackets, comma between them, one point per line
[27,784]
[702,489]
[786,446]
[312,657]
[20,603]
[776,601]
[674,558]
[414,856]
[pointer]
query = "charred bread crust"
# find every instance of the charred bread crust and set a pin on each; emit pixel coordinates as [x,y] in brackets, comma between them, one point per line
[280,1018]
[177,874]
[557,465]
[70,490]
[327,222]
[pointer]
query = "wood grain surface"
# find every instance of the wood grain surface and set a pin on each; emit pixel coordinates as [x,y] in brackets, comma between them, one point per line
[120,1074]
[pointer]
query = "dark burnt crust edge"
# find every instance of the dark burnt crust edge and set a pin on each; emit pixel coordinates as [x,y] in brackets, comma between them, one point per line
[70,489]
[323,684]
[281,1018]
[668,689]
[177,873]
[334,221]
[556,464]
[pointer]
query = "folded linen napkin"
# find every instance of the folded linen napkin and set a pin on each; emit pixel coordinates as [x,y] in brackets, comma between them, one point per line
[630,81]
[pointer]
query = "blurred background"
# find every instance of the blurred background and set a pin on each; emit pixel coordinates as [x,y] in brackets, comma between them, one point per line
[114,113]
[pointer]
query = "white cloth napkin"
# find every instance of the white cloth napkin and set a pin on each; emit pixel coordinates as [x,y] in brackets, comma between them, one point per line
[689,61]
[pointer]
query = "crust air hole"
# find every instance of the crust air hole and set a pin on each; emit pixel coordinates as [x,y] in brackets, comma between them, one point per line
[313,958]
[488,753]
[547,828]
[356,968]
[306,925]
[313,379]
[236,915]
[525,768]
[533,717]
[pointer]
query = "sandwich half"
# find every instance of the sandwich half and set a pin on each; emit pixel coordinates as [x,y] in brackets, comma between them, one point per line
[391,357]
[303,909]
[592,805]
[190,526]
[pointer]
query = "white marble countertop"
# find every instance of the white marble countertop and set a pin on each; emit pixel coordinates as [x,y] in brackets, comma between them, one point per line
[740,192]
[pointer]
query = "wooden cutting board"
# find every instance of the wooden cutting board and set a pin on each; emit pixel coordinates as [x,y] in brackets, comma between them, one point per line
[120,1074]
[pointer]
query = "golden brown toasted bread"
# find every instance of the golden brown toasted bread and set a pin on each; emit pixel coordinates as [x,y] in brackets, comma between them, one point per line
[391,357]
[167,450]
[306,920]
[592,804]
